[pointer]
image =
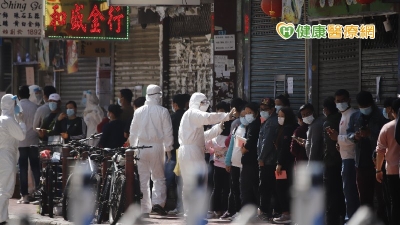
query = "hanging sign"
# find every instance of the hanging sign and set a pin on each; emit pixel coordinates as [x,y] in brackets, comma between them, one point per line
[85,19]
[94,49]
[21,18]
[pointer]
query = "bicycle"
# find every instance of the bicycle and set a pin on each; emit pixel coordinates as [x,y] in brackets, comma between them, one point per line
[112,198]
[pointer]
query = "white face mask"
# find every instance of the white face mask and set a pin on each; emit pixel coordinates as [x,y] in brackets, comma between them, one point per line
[250,118]
[281,120]
[278,107]
[173,109]
[308,120]
[204,107]
[342,106]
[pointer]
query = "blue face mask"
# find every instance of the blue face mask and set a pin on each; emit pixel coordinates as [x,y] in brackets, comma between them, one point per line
[366,111]
[250,118]
[83,101]
[243,121]
[70,112]
[385,114]
[119,102]
[17,110]
[53,106]
[264,114]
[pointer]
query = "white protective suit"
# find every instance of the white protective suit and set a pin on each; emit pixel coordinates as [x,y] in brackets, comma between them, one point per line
[152,126]
[192,140]
[32,94]
[92,115]
[10,134]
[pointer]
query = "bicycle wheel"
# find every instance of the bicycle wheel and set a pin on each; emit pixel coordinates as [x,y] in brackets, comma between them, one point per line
[117,199]
[65,199]
[102,208]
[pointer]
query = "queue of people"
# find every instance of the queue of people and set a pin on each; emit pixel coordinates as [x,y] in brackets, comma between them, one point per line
[247,151]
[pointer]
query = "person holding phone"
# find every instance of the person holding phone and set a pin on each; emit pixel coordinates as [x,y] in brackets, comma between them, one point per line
[69,125]
[297,148]
[363,130]
[285,161]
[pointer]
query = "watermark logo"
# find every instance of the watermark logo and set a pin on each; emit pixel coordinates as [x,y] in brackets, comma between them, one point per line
[330,31]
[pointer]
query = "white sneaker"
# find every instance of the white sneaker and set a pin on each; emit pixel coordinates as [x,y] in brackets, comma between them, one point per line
[211,215]
[284,218]
[236,215]
[24,200]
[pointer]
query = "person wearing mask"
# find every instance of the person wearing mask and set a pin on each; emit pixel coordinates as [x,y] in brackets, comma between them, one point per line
[297,147]
[49,122]
[335,203]
[285,161]
[314,141]
[35,95]
[44,110]
[69,125]
[152,126]
[282,101]
[347,152]
[92,114]
[28,155]
[220,192]
[249,176]
[388,149]
[387,109]
[113,132]
[233,166]
[178,109]
[192,138]
[363,130]
[10,133]
[125,101]
[267,157]
[236,103]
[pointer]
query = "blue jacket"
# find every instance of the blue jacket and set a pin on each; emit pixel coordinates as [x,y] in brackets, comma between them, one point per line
[365,148]
[268,133]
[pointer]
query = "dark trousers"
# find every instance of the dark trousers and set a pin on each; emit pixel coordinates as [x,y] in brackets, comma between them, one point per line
[382,196]
[283,190]
[350,187]
[249,184]
[234,204]
[267,188]
[220,193]
[393,183]
[31,154]
[366,184]
[335,203]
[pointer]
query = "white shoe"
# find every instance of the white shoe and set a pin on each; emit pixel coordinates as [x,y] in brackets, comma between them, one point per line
[24,200]
[284,218]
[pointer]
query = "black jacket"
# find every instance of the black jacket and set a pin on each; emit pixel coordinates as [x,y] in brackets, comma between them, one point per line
[252,133]
[176,121]
[76,128]
[331,154]
[284,140]
[266,149]
[113,134]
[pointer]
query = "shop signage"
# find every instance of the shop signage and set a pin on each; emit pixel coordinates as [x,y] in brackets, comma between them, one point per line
[21,18]
[153,2]
[85,19]
[330,31]
[94,49]
[334,8]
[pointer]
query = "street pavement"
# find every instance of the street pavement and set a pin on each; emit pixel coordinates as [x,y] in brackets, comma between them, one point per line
[17,210]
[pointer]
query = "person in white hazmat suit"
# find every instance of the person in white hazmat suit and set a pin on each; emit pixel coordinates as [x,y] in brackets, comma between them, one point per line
[92,115]
[192,139]
[152,126]
[35,94]
[10,134]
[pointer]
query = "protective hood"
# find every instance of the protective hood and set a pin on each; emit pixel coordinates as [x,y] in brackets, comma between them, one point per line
[196,100]
[152,96]
[32,94]
[7,105]
[92,106]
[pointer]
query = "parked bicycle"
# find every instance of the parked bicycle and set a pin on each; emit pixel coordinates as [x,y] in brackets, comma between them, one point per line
[112,198]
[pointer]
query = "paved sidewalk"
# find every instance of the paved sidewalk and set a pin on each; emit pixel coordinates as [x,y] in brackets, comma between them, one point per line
[16,210]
